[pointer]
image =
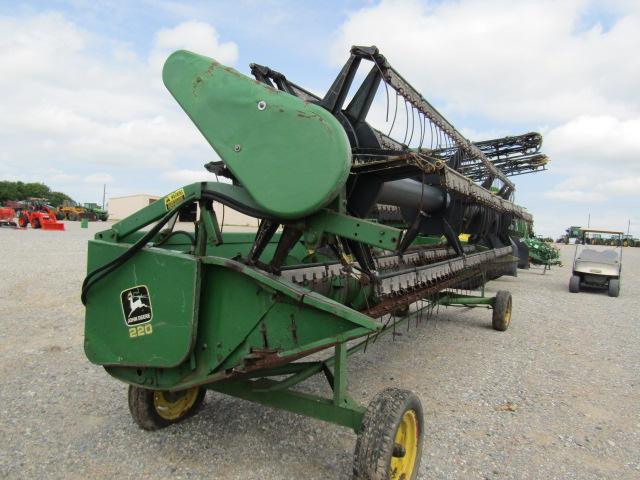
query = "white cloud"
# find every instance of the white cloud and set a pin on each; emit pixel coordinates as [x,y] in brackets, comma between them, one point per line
[199,37]
[98,178]
[62,178]
[185,176]
[623,186]
[69,106]
[599,155]
[579,196]
[596,141]
[526,65]
[522,61]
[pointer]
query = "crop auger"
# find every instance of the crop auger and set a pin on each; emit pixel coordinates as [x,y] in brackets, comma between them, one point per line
[359,233]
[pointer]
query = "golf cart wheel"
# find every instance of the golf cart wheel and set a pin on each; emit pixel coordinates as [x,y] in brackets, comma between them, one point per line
[154,409]
[614,287]
[389,446]
[574,284]
[501,311]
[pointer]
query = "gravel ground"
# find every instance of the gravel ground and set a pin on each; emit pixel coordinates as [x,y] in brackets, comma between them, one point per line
[556,396]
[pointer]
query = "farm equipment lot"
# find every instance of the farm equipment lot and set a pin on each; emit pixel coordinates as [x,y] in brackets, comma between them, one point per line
[556,396]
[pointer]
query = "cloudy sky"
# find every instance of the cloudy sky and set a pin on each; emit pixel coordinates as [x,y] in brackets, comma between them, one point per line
[83,103]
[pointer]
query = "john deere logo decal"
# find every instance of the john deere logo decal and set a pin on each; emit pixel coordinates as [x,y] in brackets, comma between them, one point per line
[136,305]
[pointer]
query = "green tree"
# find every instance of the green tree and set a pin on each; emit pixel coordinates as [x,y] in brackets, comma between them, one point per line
[57,198]
[21,191]
[9,191]
[38,190]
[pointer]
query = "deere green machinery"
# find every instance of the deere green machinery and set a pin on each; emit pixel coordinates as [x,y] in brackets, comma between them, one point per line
[533,250]
[174,313]
[94,212]
[542,253]
[572,234]
[627,240]
[71,210]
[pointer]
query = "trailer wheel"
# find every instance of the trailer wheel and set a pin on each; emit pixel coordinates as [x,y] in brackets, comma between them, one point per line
[154,409]
[389,445]
[574,284]
[501,311]
[614,287]
[22,221]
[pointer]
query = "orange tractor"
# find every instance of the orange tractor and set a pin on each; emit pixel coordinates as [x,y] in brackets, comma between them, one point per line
[39,214]
[7,217]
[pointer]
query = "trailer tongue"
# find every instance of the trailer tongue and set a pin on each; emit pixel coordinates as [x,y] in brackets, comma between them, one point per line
[174,313]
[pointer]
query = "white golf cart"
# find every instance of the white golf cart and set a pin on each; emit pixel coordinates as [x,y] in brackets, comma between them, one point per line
[595,264]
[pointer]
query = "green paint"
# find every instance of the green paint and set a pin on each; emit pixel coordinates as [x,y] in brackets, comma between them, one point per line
[458,299]
[172,281]
[370,233]
[292,156]
[348,415]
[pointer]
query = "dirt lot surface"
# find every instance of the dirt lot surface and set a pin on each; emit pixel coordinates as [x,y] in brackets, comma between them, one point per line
[557,396]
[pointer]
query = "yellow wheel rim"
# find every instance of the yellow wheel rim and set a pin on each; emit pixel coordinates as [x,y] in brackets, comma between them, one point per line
[406,437]
[507,313]
[172,406]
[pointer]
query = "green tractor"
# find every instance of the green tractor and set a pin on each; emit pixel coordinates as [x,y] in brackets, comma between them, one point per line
[93,212]
[597,239]
[572,234]
[629,241]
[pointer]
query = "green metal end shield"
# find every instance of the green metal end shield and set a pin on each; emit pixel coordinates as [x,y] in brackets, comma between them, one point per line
[145,313]
[292,156]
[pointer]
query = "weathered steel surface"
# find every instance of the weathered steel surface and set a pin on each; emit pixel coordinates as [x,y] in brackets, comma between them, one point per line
[293,157]
[170,309]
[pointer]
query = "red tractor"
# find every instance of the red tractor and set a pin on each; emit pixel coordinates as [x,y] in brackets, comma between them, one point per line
[7,217]
[39,215]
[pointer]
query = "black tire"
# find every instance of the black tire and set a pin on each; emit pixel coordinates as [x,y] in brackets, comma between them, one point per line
[377,456]
[35,223]
[614,287]
[143,405]
[501,311]
[574,284]
[23,221]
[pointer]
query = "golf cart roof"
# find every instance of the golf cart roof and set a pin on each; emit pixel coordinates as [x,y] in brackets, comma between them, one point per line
[598,230]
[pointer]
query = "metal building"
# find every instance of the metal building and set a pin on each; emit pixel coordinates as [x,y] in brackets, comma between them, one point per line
[122,207]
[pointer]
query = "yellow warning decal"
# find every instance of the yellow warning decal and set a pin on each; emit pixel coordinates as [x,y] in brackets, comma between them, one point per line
[174,198]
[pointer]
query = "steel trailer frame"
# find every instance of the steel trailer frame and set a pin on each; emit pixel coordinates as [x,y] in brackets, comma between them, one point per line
[258,385]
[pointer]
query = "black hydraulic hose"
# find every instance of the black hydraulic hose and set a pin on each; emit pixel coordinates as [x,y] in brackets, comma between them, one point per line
[99,273]
[189,235]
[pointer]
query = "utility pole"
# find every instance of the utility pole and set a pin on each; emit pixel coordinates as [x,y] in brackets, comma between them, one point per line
[589,220]
[104,191]
[628,226]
